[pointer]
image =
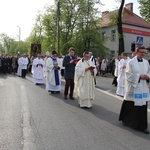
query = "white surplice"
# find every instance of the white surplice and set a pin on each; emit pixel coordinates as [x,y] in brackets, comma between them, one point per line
[38,71]
[116,68]
[25,62]
[84,83]
[137,90]
[104,65]
[121,76]
[50,75]
[20,63]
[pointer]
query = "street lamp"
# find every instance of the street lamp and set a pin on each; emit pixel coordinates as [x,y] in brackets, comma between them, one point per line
[19,37]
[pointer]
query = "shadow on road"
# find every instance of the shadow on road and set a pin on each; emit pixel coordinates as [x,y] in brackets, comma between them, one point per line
[103,114]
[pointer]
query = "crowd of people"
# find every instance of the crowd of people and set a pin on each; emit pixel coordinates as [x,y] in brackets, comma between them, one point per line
[131,77]
[53,68]
[10,64]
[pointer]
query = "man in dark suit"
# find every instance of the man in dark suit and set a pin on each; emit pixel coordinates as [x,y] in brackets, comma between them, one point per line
[4,64]
[69,65]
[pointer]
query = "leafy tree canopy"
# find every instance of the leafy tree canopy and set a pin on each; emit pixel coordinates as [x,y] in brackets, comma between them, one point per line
[71,23]
[145,9]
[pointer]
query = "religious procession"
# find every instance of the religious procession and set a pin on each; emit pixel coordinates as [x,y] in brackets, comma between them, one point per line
[131,79]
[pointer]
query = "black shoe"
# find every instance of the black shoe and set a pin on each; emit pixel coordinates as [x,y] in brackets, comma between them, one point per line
[124,124]
[65,97]
[72,98]
[145,131]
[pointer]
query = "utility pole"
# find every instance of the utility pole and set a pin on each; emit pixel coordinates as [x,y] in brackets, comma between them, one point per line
[19,38]
[119,26]
[58,26]
[87,26]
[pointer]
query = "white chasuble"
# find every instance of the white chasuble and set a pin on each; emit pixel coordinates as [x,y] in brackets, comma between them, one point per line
[24,62]
[84,83]
[20,62]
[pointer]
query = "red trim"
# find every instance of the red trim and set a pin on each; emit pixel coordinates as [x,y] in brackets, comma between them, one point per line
[133,31]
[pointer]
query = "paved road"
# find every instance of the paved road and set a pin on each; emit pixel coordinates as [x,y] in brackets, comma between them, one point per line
[33,119]
[105,83]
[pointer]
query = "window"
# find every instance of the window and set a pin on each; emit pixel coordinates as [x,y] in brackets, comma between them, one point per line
[113,35]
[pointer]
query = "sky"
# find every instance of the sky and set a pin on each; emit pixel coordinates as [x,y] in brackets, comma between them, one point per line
[22,13]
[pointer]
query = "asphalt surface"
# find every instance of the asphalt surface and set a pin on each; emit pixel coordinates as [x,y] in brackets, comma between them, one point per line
[33,119]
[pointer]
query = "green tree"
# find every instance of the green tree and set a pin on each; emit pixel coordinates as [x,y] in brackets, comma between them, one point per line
[69,14]
[145,9]
[5,43]
[37,31]
[77,27]
[10,46]
[50,28]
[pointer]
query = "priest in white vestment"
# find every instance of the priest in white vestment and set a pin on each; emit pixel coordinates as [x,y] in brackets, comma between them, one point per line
[53,76]
[25,62]
[19,70]
[45,59]
[121,74]
[137,77]
[85,71]
[116,72]
[38,71]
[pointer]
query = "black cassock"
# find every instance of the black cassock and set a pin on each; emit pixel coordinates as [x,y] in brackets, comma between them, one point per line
[134,116]
[4,65]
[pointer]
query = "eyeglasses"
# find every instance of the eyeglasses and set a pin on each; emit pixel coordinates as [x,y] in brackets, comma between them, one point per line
[142,52]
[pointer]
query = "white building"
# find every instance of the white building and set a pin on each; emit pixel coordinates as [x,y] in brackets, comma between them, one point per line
[135,29]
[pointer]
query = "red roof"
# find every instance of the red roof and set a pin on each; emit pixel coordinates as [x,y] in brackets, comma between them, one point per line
[129,18]
[133,19]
